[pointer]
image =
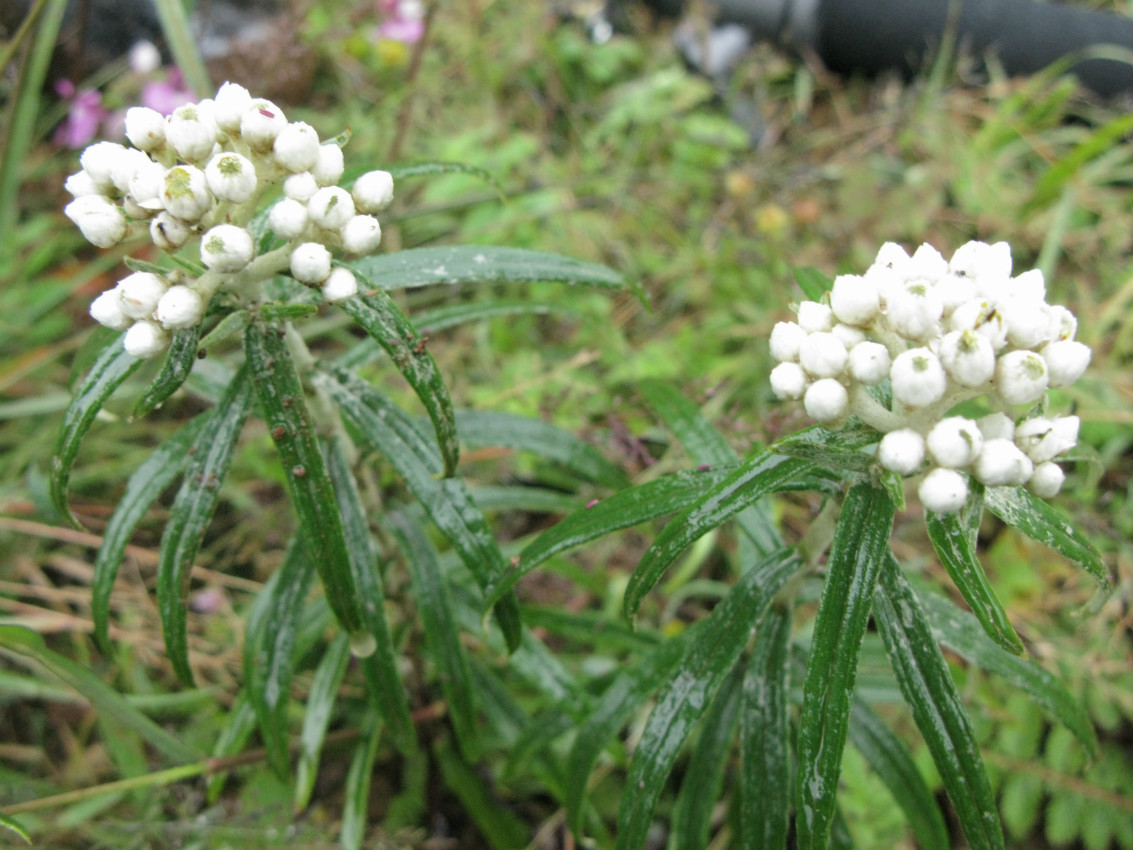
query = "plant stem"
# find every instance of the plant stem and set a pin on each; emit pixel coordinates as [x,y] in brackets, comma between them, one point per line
[178,34]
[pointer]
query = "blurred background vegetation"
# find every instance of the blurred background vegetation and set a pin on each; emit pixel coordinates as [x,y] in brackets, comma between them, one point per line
[706,197]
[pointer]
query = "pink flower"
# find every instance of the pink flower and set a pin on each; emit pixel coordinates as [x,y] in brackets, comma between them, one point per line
[166,95]
[404,21]
[83,118]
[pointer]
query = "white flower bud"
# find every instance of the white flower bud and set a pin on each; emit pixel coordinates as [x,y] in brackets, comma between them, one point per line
[917,377]
[902,451]
[787,339]
[885,280]
[826,401]
[815,317]
[127,165]
[139,294]
[978,260]
[854,299]
[361,235]
[146,187]
[231,177]
[186,192]
[1028,286]
[1002,464]
[869,362]
[373,191]
[1028,322]
[1044,439]
[79,184]
[300,187]
[340,285]
[849,335]
[327,171]
[145,339]
[955,290]
[296,148]
[169,232]
[331,207]
[100,221]
[954,442]
[191,132]
[1066,361]
[310,263]
[926,264]
[789,381]
[914,309]
[288,219]
[231,102]
[180,307]
[145,128]
[1021,377]
[1047,480]
[227,248]
[980,315]
[261,123]
[943,491]
[996,426]
[106,309]
[99,161]
[967,357]
[1063,324]
[892,256]
[144,57]
[823,355]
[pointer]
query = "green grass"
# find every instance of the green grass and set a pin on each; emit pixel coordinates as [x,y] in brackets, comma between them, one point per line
[608,153]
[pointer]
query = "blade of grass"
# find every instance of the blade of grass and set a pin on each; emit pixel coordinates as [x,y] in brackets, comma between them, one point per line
[320,702]
[354,819]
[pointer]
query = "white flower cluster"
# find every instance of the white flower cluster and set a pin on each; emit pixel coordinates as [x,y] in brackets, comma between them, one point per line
[200,173]
[941,332]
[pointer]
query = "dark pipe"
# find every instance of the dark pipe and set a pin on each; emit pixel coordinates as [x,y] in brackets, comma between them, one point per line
[867,36]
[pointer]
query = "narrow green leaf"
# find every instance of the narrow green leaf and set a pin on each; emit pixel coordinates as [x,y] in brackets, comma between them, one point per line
[480,264]
[812,282]
[238,727]
[1017,507]
[442,634]
[280,394]
[765,802]
[429,169]
[502,829]
[383,320]
[893,763]
[8,823]
[832,450]
[538,500]
[954,538]
[357,804]
[209,459]
[104,699]
[148,481]
[924,679]
[520,433]
[112,367]
[380,667]
[957,630]
[448,502]
[178,364]
[703,779]
[1101,140]
[270,649]
[859,547]
[320,703]
[759,475]
[711,656]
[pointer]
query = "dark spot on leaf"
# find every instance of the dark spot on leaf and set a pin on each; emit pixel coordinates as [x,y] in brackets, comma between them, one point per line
[298,471]
[278,433]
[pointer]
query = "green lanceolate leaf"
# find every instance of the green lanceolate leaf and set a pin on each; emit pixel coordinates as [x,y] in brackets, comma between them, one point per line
[765,802]
[954,538]
[625,508]
[957,630]
[380,667]
[112,367]
[361,771]
[812,282]
[383,320]
[859,547]
[520,433]
[104,699]
[269,650]
[832,450]
[442,633]
[1042,523]
[430,169]
[891,760]
[320,703]
[711,655]
[502,829]
[178,364]
[237,729]
[209,459]
[448,502]
[280,394]
[924,679]
[148,482]
[8,823]
[761,474]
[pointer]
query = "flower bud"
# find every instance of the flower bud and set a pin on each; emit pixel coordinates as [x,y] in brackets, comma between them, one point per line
[296,148]
[340,285]
[139,294]
[106,309]
[1028,322]
[145,339]
[815,317]
[231,177]
[231,102]
[967,357]
[789,381]
[943,491]
[1002,464]
[849,335]
[1044,439]
[917,377]
[926,264]
[227,248]
[127,165]
[1021,377]
[168,232]
[869,362]
[331,207]
[996,426]
[100,221]
[980,315]
[1066,361]
[892,256]
[902,451]
[186,193]
[914,309]
[373,191]
[261,123]
[288,219]
[145,128]
[146,187]
[954,442]
[300,187]
[191,132]
[310,263]
[99,161]
[1047,480]
[327,171]
[826,401]
[823,355]
[80,183]
[787,339]
[180,307]
[361,235]
[854,299]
